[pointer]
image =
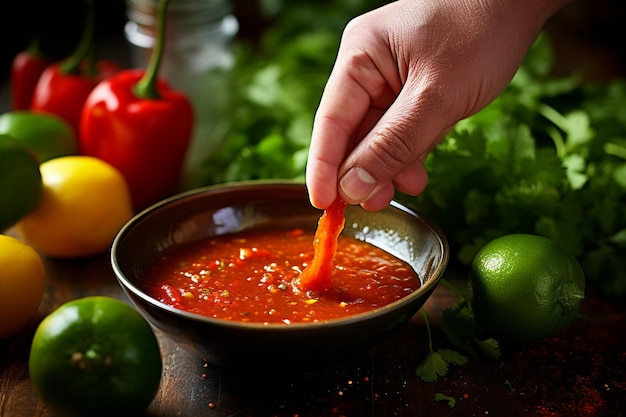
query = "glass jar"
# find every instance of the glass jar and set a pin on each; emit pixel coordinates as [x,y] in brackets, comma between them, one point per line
[196,60]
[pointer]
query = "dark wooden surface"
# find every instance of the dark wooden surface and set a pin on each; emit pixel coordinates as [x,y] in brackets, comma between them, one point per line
[581,372]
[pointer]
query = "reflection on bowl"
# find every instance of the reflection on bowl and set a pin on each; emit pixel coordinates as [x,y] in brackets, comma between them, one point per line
[200,214]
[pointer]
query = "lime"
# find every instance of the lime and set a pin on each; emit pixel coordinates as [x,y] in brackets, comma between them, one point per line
[20,181]
[47,134]
[95,356]
[524,287]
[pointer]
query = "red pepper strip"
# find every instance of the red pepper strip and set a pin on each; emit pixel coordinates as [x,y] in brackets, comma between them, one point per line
[26,69]
[317,276]
[135,122]
[64,86]
[145,139]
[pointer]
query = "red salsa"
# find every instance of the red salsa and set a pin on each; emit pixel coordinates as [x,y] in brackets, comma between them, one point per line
[251,277]
[318,274]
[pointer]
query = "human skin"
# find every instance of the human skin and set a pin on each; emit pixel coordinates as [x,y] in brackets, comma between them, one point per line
[404,75]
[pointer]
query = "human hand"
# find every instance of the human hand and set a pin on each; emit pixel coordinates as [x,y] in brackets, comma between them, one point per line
[405,74]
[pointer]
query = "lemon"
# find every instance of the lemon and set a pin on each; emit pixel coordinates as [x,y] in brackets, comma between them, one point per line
[20,181]
[85,202]
[22,284]
[524,287]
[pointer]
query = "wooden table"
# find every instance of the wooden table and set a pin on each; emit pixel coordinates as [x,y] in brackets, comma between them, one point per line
[582,372]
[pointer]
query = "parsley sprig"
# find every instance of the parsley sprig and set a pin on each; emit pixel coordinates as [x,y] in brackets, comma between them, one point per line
[547,157]
[437,362]
[460,327]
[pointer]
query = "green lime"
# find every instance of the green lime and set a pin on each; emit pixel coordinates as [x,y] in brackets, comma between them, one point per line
[47,134]
[95,356]
[20,181]
[524,287]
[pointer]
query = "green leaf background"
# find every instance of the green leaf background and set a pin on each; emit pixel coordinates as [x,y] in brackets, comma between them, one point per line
[548,156]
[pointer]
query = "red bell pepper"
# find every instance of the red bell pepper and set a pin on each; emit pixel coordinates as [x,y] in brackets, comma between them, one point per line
[26,69]
[135,122]
[64,86]
[318,275]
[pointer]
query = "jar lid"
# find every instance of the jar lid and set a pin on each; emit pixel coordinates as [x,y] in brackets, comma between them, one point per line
[180,13]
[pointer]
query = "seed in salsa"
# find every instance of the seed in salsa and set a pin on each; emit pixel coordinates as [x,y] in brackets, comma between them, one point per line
[251,277]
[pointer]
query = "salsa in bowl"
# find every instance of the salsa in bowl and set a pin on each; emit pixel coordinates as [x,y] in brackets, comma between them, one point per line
[215,270]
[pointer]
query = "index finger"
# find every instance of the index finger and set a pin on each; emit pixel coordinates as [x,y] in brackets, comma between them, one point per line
[354,98]
[343,106]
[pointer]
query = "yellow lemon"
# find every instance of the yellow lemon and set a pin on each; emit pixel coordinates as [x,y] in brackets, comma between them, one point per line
[22,284]
[84,204]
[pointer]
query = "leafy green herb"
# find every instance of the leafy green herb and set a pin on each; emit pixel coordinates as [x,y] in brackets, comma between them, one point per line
[490,347]
[277,85]
[437,362]
[461,329]
[442,397]
[548,156]
[432,367]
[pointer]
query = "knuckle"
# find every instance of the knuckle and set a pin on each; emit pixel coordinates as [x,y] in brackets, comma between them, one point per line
[392,148]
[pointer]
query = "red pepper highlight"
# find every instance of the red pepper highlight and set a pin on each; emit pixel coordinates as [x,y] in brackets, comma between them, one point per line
[317,276]
[26,68]
[146,139]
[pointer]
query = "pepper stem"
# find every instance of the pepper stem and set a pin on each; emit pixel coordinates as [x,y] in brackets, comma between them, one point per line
[147,87]
[428,331]
[34,46]
[71,65]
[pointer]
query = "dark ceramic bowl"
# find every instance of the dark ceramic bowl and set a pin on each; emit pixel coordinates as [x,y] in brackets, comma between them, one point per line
[202,213]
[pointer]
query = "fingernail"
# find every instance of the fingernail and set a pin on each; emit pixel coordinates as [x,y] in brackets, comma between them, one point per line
[357,184]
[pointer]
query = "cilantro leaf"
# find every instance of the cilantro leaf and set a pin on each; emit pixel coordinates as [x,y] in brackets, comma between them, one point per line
[432,367]
[442,397]
[453,357]
[547,156]
[490,347]
[459,325]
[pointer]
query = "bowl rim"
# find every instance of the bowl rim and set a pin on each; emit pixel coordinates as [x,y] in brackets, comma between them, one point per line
[128,285]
